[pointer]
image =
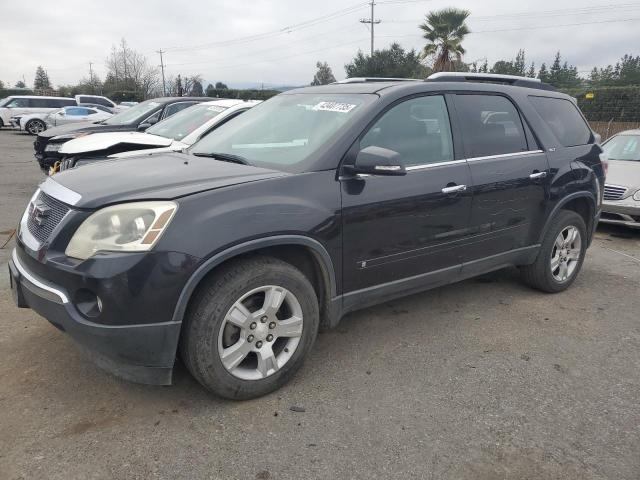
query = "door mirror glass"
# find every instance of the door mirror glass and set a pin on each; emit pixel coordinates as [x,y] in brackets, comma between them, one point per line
[374,160]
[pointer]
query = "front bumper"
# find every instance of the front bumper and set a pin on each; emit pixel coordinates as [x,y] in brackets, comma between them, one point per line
[131,349]
[621,212]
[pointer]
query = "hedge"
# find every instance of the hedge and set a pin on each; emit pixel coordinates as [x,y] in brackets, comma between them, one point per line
[241,94]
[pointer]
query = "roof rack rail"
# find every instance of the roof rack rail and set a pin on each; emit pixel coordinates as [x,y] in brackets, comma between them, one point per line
[377,79]
[514,80]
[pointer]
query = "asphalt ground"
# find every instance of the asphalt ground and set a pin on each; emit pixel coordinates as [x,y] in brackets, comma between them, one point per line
[485,379]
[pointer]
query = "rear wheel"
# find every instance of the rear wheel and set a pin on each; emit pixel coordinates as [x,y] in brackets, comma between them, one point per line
[35,126]
[249,328]
[561,254]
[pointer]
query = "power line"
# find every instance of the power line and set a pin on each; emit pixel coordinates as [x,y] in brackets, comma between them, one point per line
[371,21]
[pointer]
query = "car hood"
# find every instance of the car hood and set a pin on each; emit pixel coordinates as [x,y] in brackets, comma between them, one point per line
[163,177]
[83,127]
[101,141]
[624,173]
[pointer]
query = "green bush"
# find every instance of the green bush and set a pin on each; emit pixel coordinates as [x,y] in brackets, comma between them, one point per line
[7,92]
[241,94]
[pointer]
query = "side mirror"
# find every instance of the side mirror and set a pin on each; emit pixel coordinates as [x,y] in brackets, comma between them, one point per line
[61,113]
[377,161]
[597,137]
[143,126]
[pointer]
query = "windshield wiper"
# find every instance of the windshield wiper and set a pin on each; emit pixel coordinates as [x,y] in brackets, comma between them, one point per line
[224,157]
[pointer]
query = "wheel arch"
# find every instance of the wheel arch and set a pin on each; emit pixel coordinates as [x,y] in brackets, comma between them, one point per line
[305,253]
[583,203]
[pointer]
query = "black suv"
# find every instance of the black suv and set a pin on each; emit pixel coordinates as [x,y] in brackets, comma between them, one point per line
[317,202]
[138,117]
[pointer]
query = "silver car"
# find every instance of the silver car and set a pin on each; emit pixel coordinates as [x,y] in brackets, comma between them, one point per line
[621,203]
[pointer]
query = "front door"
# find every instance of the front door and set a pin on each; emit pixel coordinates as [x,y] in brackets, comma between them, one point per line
[509,175]
[407,230]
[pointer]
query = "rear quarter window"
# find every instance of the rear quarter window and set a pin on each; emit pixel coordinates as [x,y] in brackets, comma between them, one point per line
[564,120]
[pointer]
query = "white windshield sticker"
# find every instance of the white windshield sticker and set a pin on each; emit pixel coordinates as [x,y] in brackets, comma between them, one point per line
[334,107]
[213,108]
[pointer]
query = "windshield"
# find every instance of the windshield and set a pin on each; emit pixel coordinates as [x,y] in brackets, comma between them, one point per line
[623,147]
[284,131]
[184,122]
[131,114]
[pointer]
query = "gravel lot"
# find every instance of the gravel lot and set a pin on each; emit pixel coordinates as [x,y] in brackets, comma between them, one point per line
[484,379]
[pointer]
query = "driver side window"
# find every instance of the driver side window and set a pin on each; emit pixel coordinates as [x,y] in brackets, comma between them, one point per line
[418,129]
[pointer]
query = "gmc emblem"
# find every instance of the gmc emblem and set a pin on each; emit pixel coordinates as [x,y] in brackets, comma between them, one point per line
[39,212]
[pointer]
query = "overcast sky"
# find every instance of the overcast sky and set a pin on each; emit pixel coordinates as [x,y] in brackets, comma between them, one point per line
[65,36]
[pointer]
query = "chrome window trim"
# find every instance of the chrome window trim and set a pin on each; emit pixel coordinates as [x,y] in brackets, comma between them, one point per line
[60,192]
[35,281]
[472,159]
[503,155]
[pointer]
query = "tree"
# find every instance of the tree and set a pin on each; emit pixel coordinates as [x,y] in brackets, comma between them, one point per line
[625,72]
[129,73]
[1,85]
[388,62]
[531,73]
[196,88]
[543,74]
[20,84]
[445,30]
[324,75]
[41,81]
[220,86]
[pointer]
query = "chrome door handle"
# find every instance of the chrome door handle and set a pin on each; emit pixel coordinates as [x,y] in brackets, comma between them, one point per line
[537,175]
[454,189]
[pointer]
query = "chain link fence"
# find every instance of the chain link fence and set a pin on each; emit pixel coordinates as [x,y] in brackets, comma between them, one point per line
[610,110]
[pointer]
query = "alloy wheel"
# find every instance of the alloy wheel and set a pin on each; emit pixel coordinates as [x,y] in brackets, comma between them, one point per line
[35,127]
[260,332]
[566,252]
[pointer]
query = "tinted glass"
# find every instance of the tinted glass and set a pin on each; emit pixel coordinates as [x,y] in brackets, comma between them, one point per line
[623,147]
[183,123]
[564,120]
[96,100]
[286,131]
[137,113]
[418,129]
[40,103]
[77,111]
[490,124]
[64,102]
[18,103]
[176,107]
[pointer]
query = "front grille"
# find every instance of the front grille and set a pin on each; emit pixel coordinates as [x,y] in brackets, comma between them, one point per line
[39,144]
[614,192]
[49,215]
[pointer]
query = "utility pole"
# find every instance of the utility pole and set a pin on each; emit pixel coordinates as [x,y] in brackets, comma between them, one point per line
[164,91]
[372,21]
[91,76]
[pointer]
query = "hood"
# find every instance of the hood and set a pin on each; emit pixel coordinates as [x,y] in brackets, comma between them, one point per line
[624,173]
[83,127]
[174,147]
[102,141]
[159,177]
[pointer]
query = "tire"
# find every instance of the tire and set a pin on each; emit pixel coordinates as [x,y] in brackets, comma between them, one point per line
[35,126]
[547,273]
[208,331]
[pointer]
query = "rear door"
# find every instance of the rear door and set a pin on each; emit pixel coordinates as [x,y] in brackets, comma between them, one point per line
[405,232]
[509,174]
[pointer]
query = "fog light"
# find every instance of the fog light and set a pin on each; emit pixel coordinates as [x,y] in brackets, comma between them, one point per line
[88,303]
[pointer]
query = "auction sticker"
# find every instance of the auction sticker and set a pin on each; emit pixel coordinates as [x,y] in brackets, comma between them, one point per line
[334,107]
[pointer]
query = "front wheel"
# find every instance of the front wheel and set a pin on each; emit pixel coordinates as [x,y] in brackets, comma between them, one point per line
[35,126]
[250,327]
[561,254]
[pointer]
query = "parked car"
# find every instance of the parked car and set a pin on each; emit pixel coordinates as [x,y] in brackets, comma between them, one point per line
[172,134]
[38,122]
[19,105]
[621,205]
[128,104]
[140,117]
[99,100]
[100,107]
[316,202]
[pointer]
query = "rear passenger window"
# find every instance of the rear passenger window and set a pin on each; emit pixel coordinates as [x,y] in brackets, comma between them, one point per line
[39,103]
[564,120]
[176,107]
[418,129]
[491,125]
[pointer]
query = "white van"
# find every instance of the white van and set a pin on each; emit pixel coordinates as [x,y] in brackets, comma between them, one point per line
[26,104]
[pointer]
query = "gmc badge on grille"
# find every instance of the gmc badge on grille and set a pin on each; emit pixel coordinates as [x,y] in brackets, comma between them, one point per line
[39,212]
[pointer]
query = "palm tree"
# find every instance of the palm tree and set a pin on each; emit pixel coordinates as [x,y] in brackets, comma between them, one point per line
[445,29]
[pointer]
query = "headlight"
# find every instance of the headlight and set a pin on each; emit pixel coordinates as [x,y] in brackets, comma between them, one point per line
[129,227]
[636,196]
[53,147]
